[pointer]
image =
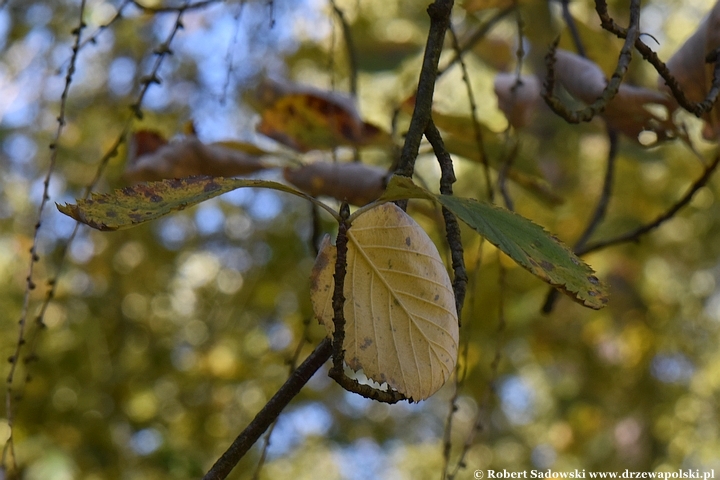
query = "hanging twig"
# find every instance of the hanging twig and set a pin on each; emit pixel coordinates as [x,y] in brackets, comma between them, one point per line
[635,234]
[9,447]
[588,113]
[349,46]
[452,228]
[478,35]
[696,108]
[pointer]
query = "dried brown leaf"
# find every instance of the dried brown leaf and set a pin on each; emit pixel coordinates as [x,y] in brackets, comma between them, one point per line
[356,183]
[150,159]
[694,75]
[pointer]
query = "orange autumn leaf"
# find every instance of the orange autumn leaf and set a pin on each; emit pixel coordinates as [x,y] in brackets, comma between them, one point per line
[304,118]
[693,73]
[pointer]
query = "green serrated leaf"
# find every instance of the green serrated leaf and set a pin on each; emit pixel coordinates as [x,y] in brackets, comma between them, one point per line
[531,247]
[525,242]
[141,203]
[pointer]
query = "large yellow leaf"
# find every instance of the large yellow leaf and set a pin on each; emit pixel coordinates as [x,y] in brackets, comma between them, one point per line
[401,323]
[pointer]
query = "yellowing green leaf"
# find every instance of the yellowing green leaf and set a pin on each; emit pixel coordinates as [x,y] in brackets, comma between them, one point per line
[141,203]
[525,242]
[401,323]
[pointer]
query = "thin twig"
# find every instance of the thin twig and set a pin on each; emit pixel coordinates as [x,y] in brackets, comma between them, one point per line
[474,117]
[349,46]
[224,465]
[482,414]
[53,282]
[635,234]
[229,57]
[696,108]
[9,447]
[478,35]
[292,364]
[588,113]
[574,33]
[452,228]
[598,214]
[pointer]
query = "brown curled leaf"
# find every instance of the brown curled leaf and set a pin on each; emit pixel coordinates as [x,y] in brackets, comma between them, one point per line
[356,183]
[152,158]
[689,67]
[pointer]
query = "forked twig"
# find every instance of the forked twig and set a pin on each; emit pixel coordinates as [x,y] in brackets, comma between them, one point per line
[588,113]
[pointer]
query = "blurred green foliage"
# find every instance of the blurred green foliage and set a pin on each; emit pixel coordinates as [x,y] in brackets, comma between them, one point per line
[164,341]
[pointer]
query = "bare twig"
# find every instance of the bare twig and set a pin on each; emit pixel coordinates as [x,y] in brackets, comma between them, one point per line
[588,113]
[224,465]
[473,115]
[452,228]
[9,447]
[570,22]
[696,108]
[478,35]
[229,57]
[349,46]
[52,283]
[292,364]
[635,234]
[482,414]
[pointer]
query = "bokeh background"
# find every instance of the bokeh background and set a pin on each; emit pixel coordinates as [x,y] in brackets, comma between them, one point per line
[163,341]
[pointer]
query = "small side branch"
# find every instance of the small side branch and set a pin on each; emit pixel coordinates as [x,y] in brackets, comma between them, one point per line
[696,108]
[634,235]
[611,89]
[452,228]
[337,371]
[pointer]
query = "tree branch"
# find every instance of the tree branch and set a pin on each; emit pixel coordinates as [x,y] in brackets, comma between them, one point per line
[634,235]
[696,108]
[439,20]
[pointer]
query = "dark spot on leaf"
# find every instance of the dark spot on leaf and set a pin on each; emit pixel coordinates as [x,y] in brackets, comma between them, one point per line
[593,279]
[547,266]
[592,293]
[437,297]
[407,241]
[210,187]
[156,198]
[366,343]
[129,191]
[111,213]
